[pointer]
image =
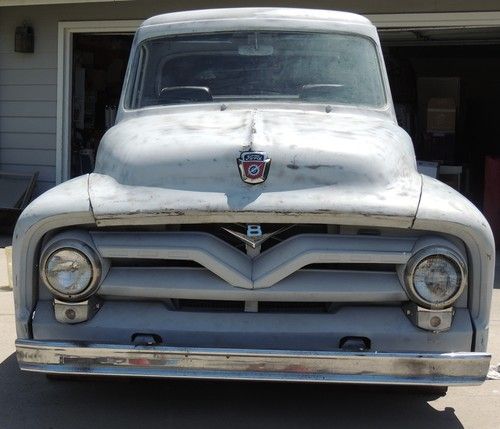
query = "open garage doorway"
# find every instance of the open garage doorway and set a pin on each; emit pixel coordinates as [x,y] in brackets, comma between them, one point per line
[446,90]
[99,65]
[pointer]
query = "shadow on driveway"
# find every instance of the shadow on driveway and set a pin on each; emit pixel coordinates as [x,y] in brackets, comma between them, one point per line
[31,400]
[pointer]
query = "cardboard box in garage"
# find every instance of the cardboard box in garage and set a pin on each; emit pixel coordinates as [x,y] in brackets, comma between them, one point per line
[441,115]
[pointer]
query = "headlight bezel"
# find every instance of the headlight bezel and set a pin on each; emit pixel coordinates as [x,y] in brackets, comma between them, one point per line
[88,252]
[430,251]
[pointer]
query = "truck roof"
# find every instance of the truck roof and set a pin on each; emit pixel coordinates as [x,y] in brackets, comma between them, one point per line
[261,13]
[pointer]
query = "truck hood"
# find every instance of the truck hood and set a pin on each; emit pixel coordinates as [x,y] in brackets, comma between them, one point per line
[344,164]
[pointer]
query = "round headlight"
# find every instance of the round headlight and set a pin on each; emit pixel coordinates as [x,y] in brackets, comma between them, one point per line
[70,270]
[435,277]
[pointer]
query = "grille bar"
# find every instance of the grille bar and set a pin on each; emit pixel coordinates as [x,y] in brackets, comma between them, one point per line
[305,286]
[205,249]
[270,267]
[305,249]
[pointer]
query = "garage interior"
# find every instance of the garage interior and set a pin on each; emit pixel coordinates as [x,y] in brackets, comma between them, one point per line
[99,65]
[445,85]
[446,89]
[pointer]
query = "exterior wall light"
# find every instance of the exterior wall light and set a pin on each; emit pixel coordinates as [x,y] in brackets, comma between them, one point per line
[24,39]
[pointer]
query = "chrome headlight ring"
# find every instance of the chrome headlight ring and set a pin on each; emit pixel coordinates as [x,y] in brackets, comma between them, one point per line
[447,255]
[87,253]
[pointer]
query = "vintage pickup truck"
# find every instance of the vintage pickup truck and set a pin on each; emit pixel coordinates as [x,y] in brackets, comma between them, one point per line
[255,213]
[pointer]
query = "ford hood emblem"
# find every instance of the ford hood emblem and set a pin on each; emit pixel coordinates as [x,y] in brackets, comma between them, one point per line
[254,167]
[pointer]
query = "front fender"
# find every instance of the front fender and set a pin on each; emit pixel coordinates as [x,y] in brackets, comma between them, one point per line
[66,204]
[444,210]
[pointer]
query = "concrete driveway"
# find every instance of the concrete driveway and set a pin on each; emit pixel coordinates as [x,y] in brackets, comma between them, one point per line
[32,401]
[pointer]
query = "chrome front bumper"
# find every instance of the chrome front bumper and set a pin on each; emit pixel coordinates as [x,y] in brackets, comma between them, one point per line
[239,364]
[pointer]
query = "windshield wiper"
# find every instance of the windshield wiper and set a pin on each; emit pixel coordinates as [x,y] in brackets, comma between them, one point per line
[321,91]
[185,94]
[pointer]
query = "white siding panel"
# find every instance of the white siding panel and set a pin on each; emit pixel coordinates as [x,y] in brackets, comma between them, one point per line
[45,173]
[28,156]
[16,60]
[33,76]
[36,109]
[9,124]
[27,141]
[28,93]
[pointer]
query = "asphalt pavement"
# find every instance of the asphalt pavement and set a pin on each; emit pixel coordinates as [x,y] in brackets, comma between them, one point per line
[33,401]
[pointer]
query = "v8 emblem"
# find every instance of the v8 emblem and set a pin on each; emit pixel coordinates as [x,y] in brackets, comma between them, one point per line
[254,231]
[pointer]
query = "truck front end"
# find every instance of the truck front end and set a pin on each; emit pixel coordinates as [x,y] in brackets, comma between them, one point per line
[255,213]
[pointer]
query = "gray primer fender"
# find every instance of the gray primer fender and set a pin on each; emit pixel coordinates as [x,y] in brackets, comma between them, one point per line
[65,205]
[444,210]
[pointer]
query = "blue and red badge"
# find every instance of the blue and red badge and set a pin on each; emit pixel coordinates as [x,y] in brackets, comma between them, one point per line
[254,167]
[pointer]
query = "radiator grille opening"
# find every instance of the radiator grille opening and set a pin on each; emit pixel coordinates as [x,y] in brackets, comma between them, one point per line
[144,263]
[174,263]
[391,268]
[209,305]
[239,306]
[294,307]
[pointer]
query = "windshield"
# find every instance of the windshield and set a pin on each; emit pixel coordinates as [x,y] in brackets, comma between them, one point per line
[267,65]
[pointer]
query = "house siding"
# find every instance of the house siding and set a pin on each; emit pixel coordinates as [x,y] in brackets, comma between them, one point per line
[28,87]
[28,98]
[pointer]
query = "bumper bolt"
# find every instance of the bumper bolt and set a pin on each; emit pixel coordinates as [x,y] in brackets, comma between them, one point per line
[70,314]
[435,321]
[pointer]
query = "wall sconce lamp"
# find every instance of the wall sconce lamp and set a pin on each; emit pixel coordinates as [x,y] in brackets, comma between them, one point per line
[25,39]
